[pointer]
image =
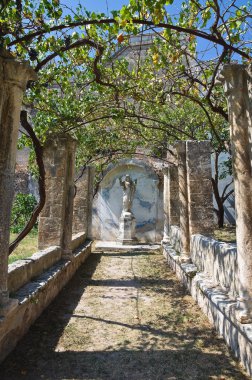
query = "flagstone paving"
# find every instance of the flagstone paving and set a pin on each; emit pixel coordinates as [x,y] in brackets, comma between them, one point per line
[123,316]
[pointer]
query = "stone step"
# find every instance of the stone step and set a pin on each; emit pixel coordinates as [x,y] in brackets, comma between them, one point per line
[110,246]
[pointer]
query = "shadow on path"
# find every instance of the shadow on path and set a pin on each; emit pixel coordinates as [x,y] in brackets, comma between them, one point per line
[122,316]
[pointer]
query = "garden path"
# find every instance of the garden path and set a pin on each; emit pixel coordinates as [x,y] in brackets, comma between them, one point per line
[123,316]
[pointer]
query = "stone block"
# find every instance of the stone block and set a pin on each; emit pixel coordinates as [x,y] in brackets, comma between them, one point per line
[218,307]
[22,271]
[78,239]
[42,290]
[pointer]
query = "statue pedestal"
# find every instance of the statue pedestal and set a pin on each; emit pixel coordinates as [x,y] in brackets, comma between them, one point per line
[127,228]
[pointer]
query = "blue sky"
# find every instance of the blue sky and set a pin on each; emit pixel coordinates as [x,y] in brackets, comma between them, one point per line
[97,5]
[101,5]
[106,6]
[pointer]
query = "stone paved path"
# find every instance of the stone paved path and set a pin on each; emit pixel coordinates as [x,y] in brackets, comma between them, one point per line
[123,316]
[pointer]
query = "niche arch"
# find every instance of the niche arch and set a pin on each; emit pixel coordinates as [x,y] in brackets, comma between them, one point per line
[147,204]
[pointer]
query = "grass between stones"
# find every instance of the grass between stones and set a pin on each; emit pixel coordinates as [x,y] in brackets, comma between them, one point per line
[226,234]
[26,248]
[123,316]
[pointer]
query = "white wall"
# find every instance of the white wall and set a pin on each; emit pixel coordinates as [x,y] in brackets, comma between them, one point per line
[147,205]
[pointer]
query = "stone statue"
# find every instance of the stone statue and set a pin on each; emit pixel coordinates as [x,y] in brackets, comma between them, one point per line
[129,188]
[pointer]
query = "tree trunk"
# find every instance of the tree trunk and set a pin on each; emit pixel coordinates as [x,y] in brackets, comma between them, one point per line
[220,210]
[39,158]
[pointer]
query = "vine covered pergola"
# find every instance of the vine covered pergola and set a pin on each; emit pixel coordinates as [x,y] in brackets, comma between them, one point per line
[73,49]
[91,88]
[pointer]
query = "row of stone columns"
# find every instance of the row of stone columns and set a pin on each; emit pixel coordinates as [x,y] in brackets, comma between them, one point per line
[193,177]
[55,227]
[194,181]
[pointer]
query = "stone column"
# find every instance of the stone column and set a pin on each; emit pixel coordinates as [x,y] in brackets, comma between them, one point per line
[237,81]
[199,182]
[171,200]
[55,222]
[14,76]
[90,201]
[183,202]
[173,196]
[166,207]
[82,202]
[80,213]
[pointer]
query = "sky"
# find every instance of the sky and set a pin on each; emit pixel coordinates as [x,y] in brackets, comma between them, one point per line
[97,5]
[102,5]
[106,6]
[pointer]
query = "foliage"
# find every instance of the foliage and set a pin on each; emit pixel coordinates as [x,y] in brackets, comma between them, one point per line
[21,210]
[111,106]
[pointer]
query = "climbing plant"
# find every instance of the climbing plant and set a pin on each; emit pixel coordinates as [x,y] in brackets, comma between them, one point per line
[22,208]
[106,104]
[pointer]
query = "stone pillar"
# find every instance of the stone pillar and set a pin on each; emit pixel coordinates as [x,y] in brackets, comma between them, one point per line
[173,196]
[55,222]
[14,76]
[166,207]
[183,202]
[171,200]
[237,81]
[80,209]
[90,201]
[83,202]
[199,182]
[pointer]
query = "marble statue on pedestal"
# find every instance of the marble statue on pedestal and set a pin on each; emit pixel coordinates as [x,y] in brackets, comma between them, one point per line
[129,189]
[127,219]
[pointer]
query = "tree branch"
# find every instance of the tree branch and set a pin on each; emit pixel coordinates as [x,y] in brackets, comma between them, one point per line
[41,182]
[194,32]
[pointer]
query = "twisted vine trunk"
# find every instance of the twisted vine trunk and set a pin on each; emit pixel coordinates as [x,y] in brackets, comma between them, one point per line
[41,181]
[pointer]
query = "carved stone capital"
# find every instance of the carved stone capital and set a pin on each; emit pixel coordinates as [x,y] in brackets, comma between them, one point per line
[16,72]
[233,77]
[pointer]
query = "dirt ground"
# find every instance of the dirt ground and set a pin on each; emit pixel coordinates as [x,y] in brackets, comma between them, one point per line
[123,316]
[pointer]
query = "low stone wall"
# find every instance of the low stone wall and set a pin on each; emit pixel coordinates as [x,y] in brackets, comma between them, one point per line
[218,260]
[41,280]
[175,237]
[212,282]
[22,271]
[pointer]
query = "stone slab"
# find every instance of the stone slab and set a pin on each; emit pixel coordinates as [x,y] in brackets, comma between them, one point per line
[22,271]
[117,246]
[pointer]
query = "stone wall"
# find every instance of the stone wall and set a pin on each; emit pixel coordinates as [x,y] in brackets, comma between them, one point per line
[216,259]
[34,283]
[212,279]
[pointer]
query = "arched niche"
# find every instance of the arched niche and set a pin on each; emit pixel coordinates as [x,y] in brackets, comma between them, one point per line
[147,205]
